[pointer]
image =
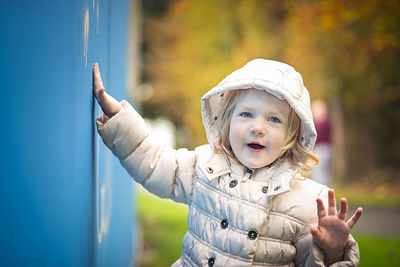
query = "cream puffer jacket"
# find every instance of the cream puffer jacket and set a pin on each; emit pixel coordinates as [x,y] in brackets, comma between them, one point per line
[236,217]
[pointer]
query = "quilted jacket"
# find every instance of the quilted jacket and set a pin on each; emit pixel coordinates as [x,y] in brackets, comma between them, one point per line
[237,216]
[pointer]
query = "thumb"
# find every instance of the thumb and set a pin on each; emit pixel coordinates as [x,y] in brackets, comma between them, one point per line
[315,232]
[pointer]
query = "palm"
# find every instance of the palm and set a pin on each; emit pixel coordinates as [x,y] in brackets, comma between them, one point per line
[333,230]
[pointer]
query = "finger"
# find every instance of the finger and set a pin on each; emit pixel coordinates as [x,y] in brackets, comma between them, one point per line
[109,104]
[100,95]
[343,209]
[97,81]
[353,220]
[315,232]
[320,209]
[331,203]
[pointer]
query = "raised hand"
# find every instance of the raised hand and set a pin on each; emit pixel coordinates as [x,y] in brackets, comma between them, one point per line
[333,230]
[108,104]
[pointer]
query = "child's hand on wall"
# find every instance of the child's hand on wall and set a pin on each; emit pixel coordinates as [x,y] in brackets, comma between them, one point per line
[108,104]
[333,231]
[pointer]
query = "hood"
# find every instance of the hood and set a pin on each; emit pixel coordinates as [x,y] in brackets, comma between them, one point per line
[274,77]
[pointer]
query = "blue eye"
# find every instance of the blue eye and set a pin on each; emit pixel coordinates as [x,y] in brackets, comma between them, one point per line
[274,120]
[246,115]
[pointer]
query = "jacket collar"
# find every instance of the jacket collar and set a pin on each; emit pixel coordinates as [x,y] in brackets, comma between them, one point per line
[216,166]
[277,177]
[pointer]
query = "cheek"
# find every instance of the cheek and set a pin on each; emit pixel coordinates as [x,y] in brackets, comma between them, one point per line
[279,138]
[234,136]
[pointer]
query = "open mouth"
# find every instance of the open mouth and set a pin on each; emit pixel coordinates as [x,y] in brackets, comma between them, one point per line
[255,146]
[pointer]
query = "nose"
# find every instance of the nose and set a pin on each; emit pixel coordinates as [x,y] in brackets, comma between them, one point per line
[258,129]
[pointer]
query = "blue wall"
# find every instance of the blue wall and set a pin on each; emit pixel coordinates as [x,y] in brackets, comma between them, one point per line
[64,199]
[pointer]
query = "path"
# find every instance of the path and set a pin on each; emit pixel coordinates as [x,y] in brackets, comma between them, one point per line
[378,221]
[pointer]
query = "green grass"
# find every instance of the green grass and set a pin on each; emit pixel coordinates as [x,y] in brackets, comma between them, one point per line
[163,225]
[378,251]
[372,195]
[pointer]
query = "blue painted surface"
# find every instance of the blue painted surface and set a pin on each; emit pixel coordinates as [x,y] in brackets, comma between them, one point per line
[64,199]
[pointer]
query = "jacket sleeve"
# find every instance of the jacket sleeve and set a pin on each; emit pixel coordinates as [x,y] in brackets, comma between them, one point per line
[166,172]
[308,253]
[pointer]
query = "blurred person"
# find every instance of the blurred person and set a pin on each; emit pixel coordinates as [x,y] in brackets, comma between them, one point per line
[250,202]
[322,172]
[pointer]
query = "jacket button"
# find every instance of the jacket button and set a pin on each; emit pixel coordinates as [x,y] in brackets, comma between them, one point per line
[209,170]
[265,189]
[233,183]
[252,235]
[277,188]
[224,223]
[211,261]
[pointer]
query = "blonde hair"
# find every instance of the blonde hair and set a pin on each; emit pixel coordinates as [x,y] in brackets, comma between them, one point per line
[293,151]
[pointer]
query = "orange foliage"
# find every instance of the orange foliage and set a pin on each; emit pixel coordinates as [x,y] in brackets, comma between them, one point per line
[347,50]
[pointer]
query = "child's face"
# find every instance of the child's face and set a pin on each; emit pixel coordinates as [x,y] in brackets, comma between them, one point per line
[258,128]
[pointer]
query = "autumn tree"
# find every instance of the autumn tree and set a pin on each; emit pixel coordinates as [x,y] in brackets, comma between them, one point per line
[347,51]
[196,44]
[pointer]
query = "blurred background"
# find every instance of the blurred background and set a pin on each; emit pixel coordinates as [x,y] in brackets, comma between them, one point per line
[349,55]
[65,200]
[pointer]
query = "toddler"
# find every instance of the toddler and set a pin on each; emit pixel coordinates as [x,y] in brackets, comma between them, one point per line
[250,202]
